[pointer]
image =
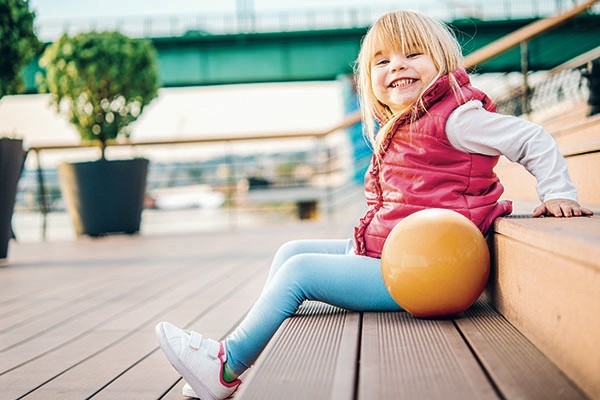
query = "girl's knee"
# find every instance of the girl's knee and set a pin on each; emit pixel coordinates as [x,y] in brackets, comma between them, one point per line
[287,251]
[288,286]
[299,268]
[291,248]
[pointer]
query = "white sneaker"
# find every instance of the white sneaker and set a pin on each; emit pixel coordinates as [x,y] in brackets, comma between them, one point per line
[198,360]
[187,391]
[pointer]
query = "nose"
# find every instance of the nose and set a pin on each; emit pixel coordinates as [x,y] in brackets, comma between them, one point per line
[397,64]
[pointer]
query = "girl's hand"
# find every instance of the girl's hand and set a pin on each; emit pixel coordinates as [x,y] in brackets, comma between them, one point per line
[561,208]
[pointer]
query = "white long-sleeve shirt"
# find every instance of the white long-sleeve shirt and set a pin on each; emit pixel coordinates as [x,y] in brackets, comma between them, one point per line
[473,129]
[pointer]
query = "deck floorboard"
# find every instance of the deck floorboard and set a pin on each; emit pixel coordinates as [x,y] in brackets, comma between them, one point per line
[77,317]
[77,322]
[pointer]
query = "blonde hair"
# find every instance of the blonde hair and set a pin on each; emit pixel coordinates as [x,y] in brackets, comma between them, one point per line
[407,32]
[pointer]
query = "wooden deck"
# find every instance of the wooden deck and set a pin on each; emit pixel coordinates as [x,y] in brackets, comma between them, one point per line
[77,319]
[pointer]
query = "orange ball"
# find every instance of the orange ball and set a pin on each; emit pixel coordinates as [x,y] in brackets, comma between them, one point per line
[435,263]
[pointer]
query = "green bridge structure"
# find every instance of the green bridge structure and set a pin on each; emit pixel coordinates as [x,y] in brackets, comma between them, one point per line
[249,54]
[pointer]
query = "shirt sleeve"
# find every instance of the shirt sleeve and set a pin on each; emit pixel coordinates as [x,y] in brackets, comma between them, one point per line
[472,129]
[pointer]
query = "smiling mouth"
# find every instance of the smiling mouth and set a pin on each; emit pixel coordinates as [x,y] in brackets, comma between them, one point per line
[402,82]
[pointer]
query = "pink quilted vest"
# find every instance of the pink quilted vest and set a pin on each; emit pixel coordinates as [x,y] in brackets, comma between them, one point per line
[419,168]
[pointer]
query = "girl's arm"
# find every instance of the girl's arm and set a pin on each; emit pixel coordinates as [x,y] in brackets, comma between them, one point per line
[472,129]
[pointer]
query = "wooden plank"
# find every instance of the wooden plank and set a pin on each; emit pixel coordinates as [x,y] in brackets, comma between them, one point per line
[577,135]
[518,368]
[73,317]
[580,144]
[62,326]
[61,290]
[145,280]
[94,303]
[574,238]
[57,367]
[312,356]
[555,118]
[403,357]
[584,170]
[136,361]
[519,185]
[550,292]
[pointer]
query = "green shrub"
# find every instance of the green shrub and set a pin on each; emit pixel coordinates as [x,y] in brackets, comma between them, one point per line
[18,43]
[102,79]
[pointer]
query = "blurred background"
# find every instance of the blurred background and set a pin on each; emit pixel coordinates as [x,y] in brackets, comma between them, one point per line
[194,186]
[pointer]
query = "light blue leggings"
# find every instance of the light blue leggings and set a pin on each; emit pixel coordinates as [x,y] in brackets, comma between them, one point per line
[323,270]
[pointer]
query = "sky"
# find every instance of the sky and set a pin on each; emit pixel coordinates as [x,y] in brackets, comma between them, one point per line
[53,15]
[49,9]
[79,15]
[118,8]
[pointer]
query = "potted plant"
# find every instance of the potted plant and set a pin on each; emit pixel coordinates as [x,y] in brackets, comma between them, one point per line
[18,45]
[102,81]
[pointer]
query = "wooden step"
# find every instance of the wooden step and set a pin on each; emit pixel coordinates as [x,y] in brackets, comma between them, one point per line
[520,185]
[579,142]
[571,136]
[561,115]
[585,173]
[545,280]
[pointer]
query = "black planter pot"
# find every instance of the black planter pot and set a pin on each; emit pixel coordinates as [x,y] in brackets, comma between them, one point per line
[12,156]
[104,197]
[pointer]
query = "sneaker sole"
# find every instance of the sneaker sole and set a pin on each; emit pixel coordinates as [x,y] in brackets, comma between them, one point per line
[201,391]
[187,391]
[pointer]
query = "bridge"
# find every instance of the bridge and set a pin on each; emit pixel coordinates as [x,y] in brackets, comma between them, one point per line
[198,55]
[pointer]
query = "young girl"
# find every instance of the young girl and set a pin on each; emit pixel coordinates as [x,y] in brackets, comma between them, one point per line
[437,146]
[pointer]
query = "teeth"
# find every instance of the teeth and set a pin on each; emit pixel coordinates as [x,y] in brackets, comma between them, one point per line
[402,82]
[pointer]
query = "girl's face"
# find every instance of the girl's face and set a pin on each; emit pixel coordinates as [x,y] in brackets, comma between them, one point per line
[399,79]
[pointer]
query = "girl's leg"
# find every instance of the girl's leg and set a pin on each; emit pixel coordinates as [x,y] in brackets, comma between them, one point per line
[303,246]
[347,281]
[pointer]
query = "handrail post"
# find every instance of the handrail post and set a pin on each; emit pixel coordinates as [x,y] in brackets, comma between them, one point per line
[329,187]
[41,192]
[593,77]
[525,72]
[230,184]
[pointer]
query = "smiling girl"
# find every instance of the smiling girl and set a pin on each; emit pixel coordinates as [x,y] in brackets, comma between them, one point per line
[437,146]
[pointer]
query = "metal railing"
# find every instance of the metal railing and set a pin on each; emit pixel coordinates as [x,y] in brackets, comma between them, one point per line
[566,83]
[521,99]
[320,161]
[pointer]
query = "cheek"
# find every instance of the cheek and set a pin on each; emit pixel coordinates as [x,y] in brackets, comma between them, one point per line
[377,78]
[432,73]
[377,85]
[379,93]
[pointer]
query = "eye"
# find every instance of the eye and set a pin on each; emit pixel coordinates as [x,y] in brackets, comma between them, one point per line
[380,61]
[413,55]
